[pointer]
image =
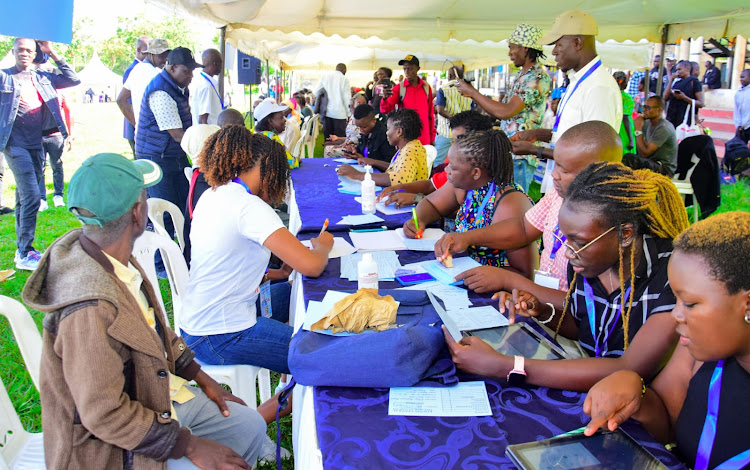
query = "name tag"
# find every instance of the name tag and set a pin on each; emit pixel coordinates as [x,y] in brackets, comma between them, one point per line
[545,279]
[265,299]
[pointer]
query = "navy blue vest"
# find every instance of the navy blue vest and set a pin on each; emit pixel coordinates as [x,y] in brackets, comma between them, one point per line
[153,144]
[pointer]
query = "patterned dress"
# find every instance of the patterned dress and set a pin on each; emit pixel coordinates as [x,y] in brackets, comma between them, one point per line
[532,87]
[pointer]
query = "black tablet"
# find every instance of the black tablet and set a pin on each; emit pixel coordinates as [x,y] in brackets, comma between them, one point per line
[604,450]
[519,339]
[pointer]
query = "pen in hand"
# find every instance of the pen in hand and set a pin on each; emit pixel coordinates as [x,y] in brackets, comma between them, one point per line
[325,227]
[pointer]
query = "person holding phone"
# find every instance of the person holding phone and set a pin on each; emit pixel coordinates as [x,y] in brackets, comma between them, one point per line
[680,92]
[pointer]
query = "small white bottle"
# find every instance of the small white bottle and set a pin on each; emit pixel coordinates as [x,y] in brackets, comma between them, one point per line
[367,273]
[368,192]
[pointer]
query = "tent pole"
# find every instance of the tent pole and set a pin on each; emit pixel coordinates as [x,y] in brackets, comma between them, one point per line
[222,51]
[659,84]
[268,81]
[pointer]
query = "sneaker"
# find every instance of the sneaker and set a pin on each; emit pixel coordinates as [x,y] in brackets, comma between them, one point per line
[17,257]
[5,210]
[43,206]
[29,262]
[58,200]
[268,452]
[280,387]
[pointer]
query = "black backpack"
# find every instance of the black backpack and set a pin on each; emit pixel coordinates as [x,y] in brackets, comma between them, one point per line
[736,157]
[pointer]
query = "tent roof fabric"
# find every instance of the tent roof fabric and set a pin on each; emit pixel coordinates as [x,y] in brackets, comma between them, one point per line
[95,72]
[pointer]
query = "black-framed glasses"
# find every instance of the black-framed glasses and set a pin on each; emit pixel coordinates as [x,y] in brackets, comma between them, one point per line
[577,252]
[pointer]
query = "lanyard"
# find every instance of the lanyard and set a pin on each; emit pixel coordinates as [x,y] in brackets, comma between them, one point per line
[588,294]
[242,183]
[366,151]
[211,82]
[706,443]
[557,244]
[569,95]
[394,158]
[480,211]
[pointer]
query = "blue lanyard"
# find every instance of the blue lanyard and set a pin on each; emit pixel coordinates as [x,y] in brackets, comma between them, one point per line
[366,151]
[242,183]
[480,211]
[569,95]
[211,82]
[706,443]
[588,294]
[394,158]
[557,244]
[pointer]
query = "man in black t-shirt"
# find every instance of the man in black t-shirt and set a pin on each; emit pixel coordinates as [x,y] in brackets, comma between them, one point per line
[373,147]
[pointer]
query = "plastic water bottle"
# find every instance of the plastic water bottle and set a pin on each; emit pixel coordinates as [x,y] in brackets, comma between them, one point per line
[367,272]
[368,192]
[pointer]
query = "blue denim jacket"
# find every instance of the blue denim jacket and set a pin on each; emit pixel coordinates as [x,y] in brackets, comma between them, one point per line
[46,83]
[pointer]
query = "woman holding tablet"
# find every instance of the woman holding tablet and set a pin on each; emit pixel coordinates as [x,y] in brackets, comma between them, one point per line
[616,228]
[700,399]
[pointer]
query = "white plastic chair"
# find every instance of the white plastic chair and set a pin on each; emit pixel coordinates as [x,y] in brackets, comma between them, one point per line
[20,449]
[312,136]
[302,142]
[431,156]
[156,209]
[685,187]
[240,378]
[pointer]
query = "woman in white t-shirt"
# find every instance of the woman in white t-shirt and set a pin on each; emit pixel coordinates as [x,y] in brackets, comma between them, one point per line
[234,232]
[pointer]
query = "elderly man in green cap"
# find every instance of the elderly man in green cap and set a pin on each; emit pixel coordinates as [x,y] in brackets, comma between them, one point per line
[523,106]
[114,375]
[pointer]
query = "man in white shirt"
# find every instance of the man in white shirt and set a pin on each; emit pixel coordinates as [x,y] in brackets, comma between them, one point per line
[339,94]
[742,107]
[140,77]
[593,95]
[207,104]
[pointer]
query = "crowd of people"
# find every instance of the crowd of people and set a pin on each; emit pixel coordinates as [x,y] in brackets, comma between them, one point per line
[618,268]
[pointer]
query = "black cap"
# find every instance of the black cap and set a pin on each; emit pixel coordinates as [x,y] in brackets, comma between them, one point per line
[182,56]
[410,59]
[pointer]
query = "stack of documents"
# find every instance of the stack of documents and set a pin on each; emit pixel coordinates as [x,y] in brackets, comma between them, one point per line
[377,241]
[341,247]
[448,275]
[387,262]
[349,186]
[426,243]
[387,210]
[359,219]
[465,399]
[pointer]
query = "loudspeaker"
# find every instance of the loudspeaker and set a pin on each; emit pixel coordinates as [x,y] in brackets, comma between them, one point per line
[248,69]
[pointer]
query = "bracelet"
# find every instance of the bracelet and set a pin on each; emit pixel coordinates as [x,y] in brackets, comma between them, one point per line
[540,153]
[643,388]
[550,317]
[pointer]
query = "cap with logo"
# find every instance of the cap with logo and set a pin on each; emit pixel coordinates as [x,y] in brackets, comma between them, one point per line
[410,59]
[571,23]
[266,107]
[182,56]
[526,35]
[107,185]
[157,46]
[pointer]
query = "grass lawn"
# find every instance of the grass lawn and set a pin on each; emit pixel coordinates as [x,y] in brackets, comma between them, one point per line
[99,129]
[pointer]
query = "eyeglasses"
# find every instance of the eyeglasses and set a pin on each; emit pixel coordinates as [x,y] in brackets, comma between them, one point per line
[576,252]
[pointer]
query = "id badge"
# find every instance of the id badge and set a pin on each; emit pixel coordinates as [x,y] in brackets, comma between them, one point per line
[546,279]
[265,299]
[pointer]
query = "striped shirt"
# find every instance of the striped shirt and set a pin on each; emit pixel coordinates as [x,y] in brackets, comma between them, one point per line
[652,295]
[454,103]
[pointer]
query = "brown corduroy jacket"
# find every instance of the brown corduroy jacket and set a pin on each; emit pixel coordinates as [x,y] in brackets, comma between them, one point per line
[105,371]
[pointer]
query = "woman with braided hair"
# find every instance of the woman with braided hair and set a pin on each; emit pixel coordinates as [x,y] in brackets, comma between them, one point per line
[617,227]
[234,232]
[480,191]
[699,399]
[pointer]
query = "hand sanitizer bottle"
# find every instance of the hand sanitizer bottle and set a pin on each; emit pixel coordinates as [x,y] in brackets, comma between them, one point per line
[368,192]
[367,273]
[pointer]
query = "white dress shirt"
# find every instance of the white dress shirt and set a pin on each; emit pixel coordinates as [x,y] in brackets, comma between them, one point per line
[137,81]
[205,98]
[339,94]
[742,108]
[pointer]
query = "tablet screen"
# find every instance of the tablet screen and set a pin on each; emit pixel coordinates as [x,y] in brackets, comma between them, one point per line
[519,340]
[604,450]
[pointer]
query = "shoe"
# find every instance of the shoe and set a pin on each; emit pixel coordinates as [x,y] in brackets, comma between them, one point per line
[268,452]
[59,201]
[5,210]
[17,257]
[43,206]
[281,386]
[29,262]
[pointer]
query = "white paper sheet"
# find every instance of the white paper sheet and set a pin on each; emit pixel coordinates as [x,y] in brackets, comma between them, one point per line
[477,318]
[448,275]
[348,161]
[362,219]
[377,241]
[387,262]
[341,247]
[426,243]
[465,399]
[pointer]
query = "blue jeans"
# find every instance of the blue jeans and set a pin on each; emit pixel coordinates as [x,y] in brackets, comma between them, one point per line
[442,144]
[523,173]
[53,146]
[265,344]
[27,166]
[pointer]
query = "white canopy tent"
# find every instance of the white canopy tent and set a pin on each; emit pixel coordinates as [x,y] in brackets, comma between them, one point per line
[98,77]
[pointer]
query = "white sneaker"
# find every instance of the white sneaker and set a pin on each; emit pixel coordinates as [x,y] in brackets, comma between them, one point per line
[268,452]
[29,262]
[58,200]
[43,206]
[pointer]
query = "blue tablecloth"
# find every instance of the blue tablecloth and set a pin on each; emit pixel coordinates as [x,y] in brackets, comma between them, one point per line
[315,184]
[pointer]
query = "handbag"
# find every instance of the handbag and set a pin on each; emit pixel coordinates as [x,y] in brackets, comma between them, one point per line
[413,351]
[685,129]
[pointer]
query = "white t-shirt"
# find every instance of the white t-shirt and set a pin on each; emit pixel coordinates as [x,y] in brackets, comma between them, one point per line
[598,98]
[339,94]
[205,98]
[137,81]
[228,260]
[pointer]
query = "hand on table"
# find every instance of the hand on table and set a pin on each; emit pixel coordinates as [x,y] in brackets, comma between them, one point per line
[362,160]
[410,231]
[324,241]
[612,401]
[521,303]
[474,356]
[349,171]
[483,279]
[399,200]
[450,243]
[210,455]
[388,190]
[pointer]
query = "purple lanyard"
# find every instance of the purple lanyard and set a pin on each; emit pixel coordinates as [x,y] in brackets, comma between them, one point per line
[557,244]
[706,443]
[214,87]
[394,157]
[366,151]
[242,183]
[588,294]
[480,211]
[569,95]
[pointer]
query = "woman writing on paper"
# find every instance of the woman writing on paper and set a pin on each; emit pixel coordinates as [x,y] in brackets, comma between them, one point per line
[616,229]
[480,191]
[700,398]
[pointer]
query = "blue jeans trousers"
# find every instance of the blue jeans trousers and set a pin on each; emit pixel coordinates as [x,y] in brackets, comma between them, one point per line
[27,166]
[442,144]
[53,147]
[265,344]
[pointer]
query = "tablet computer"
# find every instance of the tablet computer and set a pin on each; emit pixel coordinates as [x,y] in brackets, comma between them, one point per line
[603,450]
[519,339]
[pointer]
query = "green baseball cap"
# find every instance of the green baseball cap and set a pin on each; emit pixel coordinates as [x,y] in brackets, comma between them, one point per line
[108,184]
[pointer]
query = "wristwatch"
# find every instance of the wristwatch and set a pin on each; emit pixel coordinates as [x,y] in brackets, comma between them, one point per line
[517,376]
[637,133]
[418,197]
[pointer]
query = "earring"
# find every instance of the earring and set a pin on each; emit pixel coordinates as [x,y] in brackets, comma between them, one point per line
[747,317]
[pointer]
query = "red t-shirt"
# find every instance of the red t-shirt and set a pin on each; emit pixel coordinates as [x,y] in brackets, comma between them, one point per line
[415,99]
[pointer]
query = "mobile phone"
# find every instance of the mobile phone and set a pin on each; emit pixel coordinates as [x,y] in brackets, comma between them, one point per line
[409,279]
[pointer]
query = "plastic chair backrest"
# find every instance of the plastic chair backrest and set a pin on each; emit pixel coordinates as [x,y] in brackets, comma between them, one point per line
[314,131]
[13,436]
[431,156]
[26,333]
[156,209]
[694,160]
